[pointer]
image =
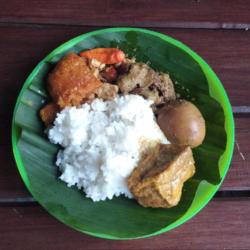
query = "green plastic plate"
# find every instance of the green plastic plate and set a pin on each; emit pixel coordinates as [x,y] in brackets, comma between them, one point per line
[123,218]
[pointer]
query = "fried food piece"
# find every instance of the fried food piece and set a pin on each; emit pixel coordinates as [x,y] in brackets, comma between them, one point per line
[144,81]
[48,113]
[105,55]
[159,177]
[71,81]
[107,91]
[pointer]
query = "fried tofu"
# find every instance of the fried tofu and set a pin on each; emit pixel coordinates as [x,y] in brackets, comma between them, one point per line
[71,81]
[158,179]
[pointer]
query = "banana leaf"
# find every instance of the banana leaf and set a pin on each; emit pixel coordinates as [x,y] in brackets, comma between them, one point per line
[122,218]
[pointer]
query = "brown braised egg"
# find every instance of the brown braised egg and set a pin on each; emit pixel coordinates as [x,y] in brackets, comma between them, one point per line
[182,123]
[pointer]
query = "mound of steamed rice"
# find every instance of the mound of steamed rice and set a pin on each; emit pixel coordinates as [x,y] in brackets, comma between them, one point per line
[102,143]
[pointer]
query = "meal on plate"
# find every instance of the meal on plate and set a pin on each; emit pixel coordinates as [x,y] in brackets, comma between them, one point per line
[121,128]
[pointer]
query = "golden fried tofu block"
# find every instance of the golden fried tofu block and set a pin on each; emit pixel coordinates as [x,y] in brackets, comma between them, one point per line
[159,177]
[71,81]
[48,113]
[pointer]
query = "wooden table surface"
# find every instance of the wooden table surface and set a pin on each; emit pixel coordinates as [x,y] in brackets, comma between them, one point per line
[217,30]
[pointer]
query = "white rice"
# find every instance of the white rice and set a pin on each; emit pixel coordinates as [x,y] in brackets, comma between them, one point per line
[102,143]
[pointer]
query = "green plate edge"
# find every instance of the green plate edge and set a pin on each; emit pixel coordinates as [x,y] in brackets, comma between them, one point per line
[216,90]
